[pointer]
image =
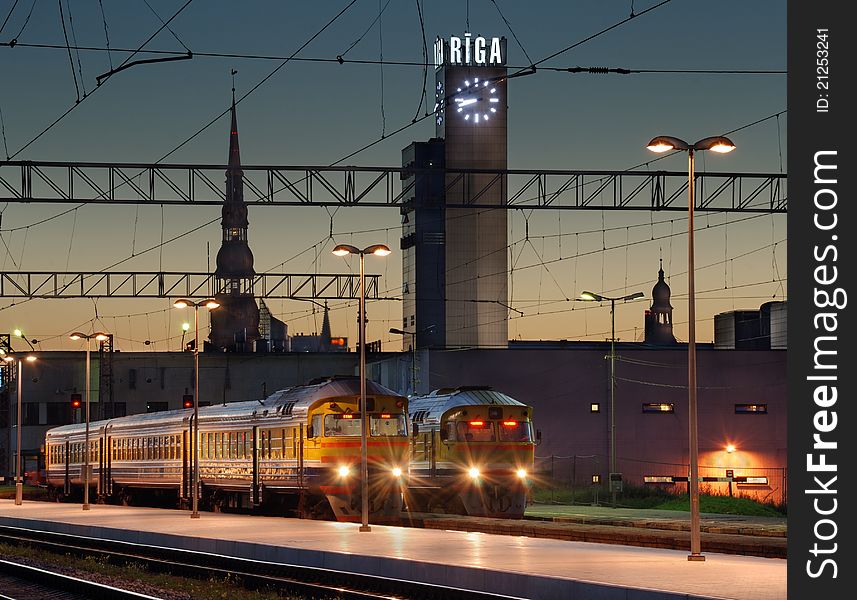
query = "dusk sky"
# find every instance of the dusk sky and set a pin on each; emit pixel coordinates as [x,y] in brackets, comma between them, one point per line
[314,113]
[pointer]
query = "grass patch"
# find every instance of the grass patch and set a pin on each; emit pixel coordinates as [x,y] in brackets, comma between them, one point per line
[644,497]
[137,577]
[7,492]
[723,505]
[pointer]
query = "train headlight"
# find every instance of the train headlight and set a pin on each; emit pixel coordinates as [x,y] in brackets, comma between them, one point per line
[521,473]
[473,472]
[396,471]
[344,471]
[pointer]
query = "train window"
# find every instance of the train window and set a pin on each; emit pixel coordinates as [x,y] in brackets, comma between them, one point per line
[233,444]
[210,453]
[217,450]
[248,444]
[276,443]
[475,431]
[515,431]
[341,425]
[387,424]
[242,441]
[316,427]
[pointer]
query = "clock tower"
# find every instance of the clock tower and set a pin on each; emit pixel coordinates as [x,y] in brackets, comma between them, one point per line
[470,85]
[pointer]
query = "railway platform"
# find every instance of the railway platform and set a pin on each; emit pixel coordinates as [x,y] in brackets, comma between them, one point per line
[523,567]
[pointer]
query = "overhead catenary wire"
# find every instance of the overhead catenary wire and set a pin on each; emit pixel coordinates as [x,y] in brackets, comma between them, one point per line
[81,100]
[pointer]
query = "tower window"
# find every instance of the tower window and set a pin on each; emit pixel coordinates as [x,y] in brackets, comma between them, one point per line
[658,407]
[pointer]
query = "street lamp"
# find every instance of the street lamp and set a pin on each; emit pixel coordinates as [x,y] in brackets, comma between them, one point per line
[722,145]
[413,335]
[210,304]
[19,484]
[87,476]
[593,297]
[377,250]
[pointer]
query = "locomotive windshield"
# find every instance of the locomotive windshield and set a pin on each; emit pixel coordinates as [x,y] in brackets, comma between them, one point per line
[379,425]
[515,431]
[387,425]
[471,431]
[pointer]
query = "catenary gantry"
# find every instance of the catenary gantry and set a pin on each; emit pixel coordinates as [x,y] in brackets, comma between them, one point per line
[184,184]
[114,284]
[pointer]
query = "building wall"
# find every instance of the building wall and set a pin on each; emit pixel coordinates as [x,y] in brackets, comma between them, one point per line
[159,379]
[562,383]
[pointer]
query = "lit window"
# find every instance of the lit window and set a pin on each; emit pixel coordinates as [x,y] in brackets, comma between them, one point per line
[658,407]
[595,407]
[596,479]
[751,409]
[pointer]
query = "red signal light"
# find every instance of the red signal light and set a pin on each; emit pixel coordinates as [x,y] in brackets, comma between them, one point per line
[477,423]
[76,401]
[187,401]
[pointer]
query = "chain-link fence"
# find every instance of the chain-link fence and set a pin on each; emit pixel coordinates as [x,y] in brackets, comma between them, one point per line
[584,479]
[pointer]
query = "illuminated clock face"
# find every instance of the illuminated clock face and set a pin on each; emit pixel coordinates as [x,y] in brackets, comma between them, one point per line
[476,101]
[439,103]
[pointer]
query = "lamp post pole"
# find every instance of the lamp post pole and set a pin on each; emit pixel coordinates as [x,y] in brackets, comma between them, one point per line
[19,485]
[377,250]
[86,450]
[695,537]
[721,145]
[413,335]
[364,416]
[590,297]
[86,475]
[195,490]
[210,304]
[612,398]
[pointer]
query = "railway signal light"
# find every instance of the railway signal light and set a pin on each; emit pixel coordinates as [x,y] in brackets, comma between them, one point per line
[187,401]
[76,401]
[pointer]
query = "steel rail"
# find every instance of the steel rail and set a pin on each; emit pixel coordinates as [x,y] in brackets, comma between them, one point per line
[315,581]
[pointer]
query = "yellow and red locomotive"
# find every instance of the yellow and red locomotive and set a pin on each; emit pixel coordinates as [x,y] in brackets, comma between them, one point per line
[472,453]
[298,450]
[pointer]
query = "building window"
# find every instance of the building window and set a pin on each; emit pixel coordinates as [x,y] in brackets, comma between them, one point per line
[30,413]
[596,479]
[58,413]
[595,407]
[658,407]
[132,379]
[751,409]
[156,406]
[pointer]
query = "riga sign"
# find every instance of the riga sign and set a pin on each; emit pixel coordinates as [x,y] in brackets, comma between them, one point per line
[469,50]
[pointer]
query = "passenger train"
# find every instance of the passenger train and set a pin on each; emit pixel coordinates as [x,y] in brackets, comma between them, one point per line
[472,453]
[296,451]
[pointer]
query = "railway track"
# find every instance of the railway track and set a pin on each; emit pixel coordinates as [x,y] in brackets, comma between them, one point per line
[25,582]
[313,582]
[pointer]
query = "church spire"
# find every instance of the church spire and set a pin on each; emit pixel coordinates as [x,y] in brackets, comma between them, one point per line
[325,337]
[235,325]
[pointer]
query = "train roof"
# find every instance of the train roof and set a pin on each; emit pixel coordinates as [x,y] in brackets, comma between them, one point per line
[431,407]
[290,401]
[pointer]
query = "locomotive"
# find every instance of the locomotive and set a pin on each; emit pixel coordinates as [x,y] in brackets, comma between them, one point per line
[296,451]
[472,453]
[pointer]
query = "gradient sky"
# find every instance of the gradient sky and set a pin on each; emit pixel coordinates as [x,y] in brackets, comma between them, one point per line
[315,113]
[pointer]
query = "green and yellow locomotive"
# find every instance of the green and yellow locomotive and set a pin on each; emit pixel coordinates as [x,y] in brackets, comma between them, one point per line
[296,451]
[472,453]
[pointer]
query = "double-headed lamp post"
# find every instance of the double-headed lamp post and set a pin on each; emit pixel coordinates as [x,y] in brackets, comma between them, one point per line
[19,483]
[593,297]
[86,476]
[210,304]
[722,145]
[377,250]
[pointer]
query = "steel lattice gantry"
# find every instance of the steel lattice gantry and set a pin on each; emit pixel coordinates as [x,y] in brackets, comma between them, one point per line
[173,285]
[183,184]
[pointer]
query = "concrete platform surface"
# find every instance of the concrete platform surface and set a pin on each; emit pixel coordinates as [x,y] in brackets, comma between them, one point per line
[525,567]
